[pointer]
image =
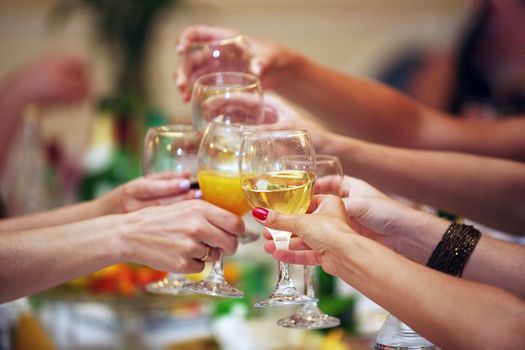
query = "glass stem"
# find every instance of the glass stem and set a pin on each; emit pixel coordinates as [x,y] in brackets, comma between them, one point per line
[283,275]
[217,271]
[309,281]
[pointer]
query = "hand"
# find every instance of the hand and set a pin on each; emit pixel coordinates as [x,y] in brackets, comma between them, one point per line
[174,237]
[156,189]
[281,116]
[265,59]
[349,186]
[319,235]
[53,81]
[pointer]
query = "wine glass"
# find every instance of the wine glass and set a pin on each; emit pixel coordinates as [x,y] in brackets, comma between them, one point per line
[268,180]
[171,149]
[227,97]
[218,173]
[327,168]
[226,55]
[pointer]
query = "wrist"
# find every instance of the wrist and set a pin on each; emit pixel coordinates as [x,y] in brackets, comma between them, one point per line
[123,241]
[418,242]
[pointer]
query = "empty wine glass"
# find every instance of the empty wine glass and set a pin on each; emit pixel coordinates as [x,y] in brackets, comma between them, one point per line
[227,97]
[328,169]
[171,149]
[226,55]
[270,181]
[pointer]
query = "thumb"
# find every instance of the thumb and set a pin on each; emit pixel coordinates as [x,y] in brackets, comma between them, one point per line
[276,221]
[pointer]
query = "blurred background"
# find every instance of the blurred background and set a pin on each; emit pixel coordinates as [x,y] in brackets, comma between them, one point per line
[80,151]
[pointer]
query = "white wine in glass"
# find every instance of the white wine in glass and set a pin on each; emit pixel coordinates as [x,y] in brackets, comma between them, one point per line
[328,169]
[269,181]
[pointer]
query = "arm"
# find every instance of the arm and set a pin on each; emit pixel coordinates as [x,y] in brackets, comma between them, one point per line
[131,196]
[363,108]
[169,238]
[48,82]
[415,234]
[488,190]
[450,312]
[372,111]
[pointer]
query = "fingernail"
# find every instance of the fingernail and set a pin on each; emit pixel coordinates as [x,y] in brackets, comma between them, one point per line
[198,194]
[184,184]
[260,213]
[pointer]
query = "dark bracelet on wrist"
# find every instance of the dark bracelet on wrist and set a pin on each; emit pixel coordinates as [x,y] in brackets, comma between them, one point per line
[453,251]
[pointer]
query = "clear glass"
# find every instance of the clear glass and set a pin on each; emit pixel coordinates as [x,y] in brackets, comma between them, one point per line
[226,55]
[269,180]
[396,335]
[218,174]
[327,168]
[171,149]
[227,97]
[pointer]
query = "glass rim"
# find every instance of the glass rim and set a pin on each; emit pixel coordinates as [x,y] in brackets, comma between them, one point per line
[254,80]
[224,41]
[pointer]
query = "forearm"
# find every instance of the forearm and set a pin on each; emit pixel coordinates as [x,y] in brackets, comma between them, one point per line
[35,260]
[488,190]
[452,313]
[371,111]
[492,262]
[60,216]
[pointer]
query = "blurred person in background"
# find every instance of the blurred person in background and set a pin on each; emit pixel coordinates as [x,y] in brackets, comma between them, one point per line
[48,82]
[452,313]
[374,112]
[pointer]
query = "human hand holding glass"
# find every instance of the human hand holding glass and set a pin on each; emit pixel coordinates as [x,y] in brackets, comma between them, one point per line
[209,51]
[218,175]
[171,149]
[270,181]
[328,169]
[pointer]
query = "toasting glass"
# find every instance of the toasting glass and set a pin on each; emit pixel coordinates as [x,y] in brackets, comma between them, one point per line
[328,169]
[218,174]
[227,97]
[171,149]
[270,181]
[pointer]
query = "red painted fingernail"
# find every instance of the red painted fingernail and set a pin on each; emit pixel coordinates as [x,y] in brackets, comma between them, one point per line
[260,213]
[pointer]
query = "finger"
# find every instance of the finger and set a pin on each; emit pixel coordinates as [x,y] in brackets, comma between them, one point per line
[295,244]
[146,188]
[192,194]
[276,220]
[167,175]
[201,33]
[330,184]
[223,219]
[206,253]
[217,238]
[297,257]
[190,266]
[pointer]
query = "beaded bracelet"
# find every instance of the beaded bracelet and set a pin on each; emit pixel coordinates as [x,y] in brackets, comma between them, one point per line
[453,251]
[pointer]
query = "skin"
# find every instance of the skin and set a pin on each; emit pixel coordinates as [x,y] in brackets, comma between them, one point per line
[350,104]
[415,234]
[51,81]
[434,304]
[157,189]
[170,238]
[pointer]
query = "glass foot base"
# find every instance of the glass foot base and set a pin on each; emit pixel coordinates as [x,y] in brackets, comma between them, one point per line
[216,289]
[309,318]
[280,298]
